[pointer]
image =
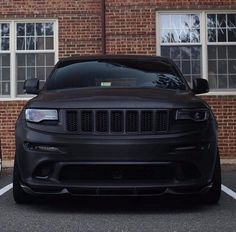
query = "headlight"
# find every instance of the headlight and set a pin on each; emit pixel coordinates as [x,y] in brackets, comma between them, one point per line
[197,115]
[39,115]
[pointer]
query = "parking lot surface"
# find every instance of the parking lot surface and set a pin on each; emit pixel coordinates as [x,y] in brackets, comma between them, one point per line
[119,214]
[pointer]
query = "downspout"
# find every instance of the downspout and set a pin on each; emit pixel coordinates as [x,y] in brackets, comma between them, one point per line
[103,21]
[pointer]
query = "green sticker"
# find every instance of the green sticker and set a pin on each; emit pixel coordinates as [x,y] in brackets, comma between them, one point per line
[106,84]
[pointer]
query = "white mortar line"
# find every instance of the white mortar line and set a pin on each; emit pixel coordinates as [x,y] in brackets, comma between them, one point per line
[5,189]
[228,191]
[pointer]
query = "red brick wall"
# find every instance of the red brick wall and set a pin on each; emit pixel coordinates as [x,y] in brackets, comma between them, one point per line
[130,27]
[9,111]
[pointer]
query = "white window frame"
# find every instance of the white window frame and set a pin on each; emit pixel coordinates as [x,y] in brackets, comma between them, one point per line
[203,41]
[13,51]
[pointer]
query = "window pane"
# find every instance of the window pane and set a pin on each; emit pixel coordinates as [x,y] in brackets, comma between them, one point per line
[212,67]
[5,44]
[165,51]
[180,28]
[232,81]
[232,66]
[20,86]
[175,53]
[50,59]
[232,35]
[30,43]
[49,43]
[212,35]
[21,43]
[165,21]
[212,52]
[231,18]
[35,36]
[40,59]
[185,36]
[222,35]
[222,81]
[6,88]
[21,73]
[4,74]
[30,29]
[212,81]
[30,59]
[5,29]
[195,36]
[49,29]
[176,21]
[40,29]
[5,60]
[165,36]
[231,52]
[222,66]
[221,20]
[195,21]
[222,52]
[211,20]
[40,43]
[21,59]
[187,59]
[33,65]
[20,28]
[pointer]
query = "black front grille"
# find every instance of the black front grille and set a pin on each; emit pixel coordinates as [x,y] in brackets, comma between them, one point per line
[101,121]
[132,121]
[71,121]
[117,121]
[86,121]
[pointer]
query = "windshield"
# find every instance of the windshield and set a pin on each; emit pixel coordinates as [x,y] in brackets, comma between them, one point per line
[115,74]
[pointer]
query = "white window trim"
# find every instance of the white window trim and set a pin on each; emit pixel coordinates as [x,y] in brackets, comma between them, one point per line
[12,50]
[204,43]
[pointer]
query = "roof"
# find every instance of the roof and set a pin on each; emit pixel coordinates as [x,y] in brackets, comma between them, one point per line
[118,57]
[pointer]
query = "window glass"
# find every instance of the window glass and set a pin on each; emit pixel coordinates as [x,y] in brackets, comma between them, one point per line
[221,50]
[35,36]
[4,59]
[33,65]
[180,41]
[115,73]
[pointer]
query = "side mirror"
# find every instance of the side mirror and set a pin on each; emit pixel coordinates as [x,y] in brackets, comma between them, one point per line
[31,86]
[200,86]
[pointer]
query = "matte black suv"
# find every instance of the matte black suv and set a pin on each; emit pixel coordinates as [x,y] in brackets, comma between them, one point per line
[116,125]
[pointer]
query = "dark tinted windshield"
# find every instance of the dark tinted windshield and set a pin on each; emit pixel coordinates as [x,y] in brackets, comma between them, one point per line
[115,73]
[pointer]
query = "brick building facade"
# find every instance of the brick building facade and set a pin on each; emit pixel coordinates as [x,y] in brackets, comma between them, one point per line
[36,33]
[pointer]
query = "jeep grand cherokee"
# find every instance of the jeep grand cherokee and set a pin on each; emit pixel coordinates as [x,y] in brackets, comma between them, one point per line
[116,125]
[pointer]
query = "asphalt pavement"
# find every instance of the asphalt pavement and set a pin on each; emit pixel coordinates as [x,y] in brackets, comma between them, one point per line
[119,214]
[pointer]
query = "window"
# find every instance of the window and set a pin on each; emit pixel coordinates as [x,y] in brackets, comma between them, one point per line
[180,41]
[201,44]
[27,50]
[4,59]
[221,46]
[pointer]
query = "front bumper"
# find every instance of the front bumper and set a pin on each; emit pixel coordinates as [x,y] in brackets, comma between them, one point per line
[185,162]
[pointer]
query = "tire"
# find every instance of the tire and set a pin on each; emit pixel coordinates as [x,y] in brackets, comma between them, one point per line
[213,195]
[19,195]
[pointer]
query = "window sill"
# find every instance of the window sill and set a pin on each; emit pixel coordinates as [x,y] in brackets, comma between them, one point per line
[219,93]
[16,98]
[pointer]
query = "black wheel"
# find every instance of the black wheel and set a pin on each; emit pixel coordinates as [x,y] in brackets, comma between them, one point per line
[213,195]
[19,195]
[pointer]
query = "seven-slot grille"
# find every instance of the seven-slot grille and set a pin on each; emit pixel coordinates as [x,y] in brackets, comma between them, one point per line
[117,121]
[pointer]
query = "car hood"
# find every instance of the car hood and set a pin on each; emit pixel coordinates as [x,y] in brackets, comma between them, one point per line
[116,98]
